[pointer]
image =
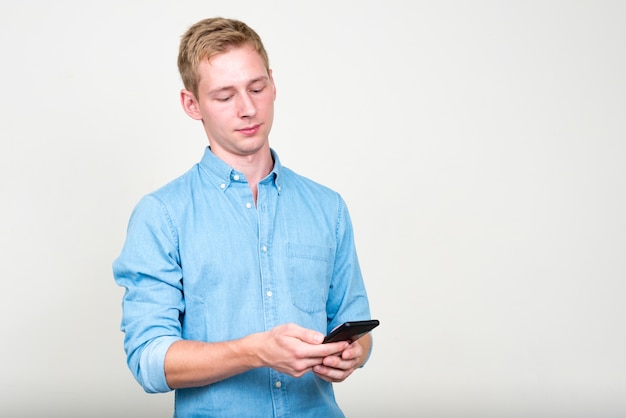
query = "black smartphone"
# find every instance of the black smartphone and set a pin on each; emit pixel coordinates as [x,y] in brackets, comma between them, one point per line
[351,331]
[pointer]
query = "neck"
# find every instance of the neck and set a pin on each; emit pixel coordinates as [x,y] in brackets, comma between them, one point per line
[254,166]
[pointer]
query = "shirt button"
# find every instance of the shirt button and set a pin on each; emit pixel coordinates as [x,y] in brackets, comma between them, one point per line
[269,293]
[248,205]
[264,248]
[223,185]
[236,176]
[278,384]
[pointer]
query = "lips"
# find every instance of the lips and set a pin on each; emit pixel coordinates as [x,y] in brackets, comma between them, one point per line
[250,130]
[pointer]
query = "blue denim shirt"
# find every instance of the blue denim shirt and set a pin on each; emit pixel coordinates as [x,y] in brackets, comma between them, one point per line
[202,262]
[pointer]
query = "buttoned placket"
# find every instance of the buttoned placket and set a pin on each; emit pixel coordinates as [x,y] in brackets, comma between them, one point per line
[267,201]
[262,217]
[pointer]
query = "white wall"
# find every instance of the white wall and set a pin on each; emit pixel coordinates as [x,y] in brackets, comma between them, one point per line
[481,147]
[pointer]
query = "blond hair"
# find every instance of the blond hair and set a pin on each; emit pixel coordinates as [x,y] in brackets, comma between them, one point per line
[210,37]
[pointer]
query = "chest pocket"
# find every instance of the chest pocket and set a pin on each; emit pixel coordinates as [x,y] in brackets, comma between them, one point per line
[309,269]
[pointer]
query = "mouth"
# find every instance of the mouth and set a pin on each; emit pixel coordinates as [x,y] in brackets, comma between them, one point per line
[249,130]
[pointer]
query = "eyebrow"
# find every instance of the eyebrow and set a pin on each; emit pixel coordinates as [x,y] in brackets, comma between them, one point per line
[229,88]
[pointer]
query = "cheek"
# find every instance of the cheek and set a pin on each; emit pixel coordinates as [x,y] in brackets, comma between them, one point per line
[217,117]
[265,101]
[266,106]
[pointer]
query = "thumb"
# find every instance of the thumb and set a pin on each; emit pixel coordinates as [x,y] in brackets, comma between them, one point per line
[312,337]
[309,336]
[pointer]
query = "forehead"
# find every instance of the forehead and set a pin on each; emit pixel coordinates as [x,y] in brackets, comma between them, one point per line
[237,65]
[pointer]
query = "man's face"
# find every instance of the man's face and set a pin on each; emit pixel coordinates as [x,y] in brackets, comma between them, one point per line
[235,102]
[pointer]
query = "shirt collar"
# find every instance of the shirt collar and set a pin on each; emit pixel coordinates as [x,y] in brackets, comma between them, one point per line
[223,174]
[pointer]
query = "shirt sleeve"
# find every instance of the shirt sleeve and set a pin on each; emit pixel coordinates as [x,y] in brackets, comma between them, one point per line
[347,298]
[152,306]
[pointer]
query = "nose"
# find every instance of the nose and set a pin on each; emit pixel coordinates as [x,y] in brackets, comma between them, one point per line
[245,106]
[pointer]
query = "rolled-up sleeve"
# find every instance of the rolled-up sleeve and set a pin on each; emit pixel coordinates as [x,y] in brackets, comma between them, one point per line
[149,270]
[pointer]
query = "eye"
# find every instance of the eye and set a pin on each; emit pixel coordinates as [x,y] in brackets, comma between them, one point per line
[223,99]
[257,87]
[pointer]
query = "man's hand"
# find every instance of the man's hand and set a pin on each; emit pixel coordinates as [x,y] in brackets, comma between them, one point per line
[294,350]
[337,368]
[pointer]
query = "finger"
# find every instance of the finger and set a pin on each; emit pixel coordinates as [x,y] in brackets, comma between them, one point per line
[331,374]
[324,350]
[313,337]
[339,363]
[306,335]
[353,351]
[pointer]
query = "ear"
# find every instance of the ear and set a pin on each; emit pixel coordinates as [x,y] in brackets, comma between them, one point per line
[273,84]
[190,104]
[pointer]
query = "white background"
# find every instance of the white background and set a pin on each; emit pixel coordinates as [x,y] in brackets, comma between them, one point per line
[480,146]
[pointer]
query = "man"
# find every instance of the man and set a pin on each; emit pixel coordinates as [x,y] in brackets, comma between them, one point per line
[235,271]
